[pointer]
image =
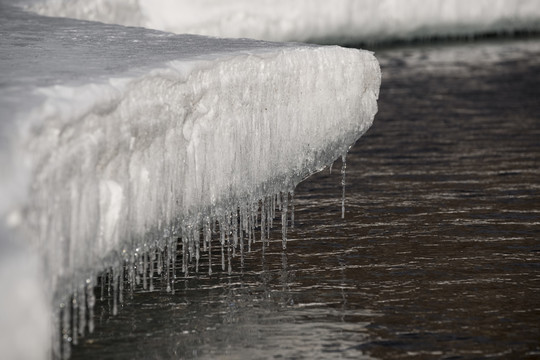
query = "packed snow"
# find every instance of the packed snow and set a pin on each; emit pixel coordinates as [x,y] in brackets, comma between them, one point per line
[321,21]
[118,141]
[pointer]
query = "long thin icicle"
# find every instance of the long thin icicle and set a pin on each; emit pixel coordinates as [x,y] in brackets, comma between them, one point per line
[208,241]
[91,301]
[66,331]
[82,311]
[75,318]
[284,205]
[343,168]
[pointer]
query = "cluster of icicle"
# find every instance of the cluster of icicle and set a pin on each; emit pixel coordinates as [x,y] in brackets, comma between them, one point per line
[233,234]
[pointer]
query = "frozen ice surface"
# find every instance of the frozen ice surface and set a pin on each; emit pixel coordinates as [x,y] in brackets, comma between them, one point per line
[116,141]
[323,21]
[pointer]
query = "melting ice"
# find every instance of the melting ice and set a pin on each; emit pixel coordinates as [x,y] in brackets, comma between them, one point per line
[117,142]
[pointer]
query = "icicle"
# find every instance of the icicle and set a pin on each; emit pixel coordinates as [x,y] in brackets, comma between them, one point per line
[191,243]
[344,166]
[229,252]
[292,209]
[131,276]
[121,285]
[222,258]
[240,220]
[173,264]
[208,239]
[159,262]
[284,221]
[167,268]
[137,269]
[91,301]
[205,223]
[243,232]
[234,219]
[144,270]
[109,283]
[242,252]
[184,255]
[66,338]
[243,219]
[250,230]
[140,270]
[228,241]
[271,213]
[82,311]
[115,281]
[254,215]
[152,259]
[263,219]
[253,224]
[222,241]
[151,287]
[330,167]
[103,278]
[197,239]
[75,317]
[222,231]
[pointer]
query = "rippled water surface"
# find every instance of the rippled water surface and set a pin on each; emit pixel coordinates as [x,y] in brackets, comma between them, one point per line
[439,252]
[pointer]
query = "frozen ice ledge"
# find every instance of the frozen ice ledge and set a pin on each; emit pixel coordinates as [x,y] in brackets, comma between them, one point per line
[320,21]
[116,142]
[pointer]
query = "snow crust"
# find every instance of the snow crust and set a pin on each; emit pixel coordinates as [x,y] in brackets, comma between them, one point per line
[118,141]
[321,21]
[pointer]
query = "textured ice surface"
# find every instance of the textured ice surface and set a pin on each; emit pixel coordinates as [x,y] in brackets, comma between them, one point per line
[116,141]
[350,21]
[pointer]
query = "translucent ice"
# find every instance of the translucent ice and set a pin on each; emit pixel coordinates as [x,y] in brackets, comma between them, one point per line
[337,21]
[118,141]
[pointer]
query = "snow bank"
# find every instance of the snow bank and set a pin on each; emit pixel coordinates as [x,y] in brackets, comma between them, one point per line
[120,140]
[322,21]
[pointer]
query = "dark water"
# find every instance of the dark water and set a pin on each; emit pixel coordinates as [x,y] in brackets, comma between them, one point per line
[438,255]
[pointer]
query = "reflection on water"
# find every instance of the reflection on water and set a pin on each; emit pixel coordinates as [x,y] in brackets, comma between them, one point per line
[439,252]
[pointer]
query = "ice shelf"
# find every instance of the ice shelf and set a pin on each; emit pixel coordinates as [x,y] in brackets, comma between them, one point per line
[321,21]
[117,141]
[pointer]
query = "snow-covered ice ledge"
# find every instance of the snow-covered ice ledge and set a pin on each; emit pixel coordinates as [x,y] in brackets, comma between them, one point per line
[116,141]
[320,21]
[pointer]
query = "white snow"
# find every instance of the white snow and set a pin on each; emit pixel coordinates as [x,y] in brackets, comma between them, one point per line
[116,141]
[323,21]
[24,318]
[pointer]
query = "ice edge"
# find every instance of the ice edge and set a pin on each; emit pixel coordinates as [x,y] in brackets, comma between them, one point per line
[123,170]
